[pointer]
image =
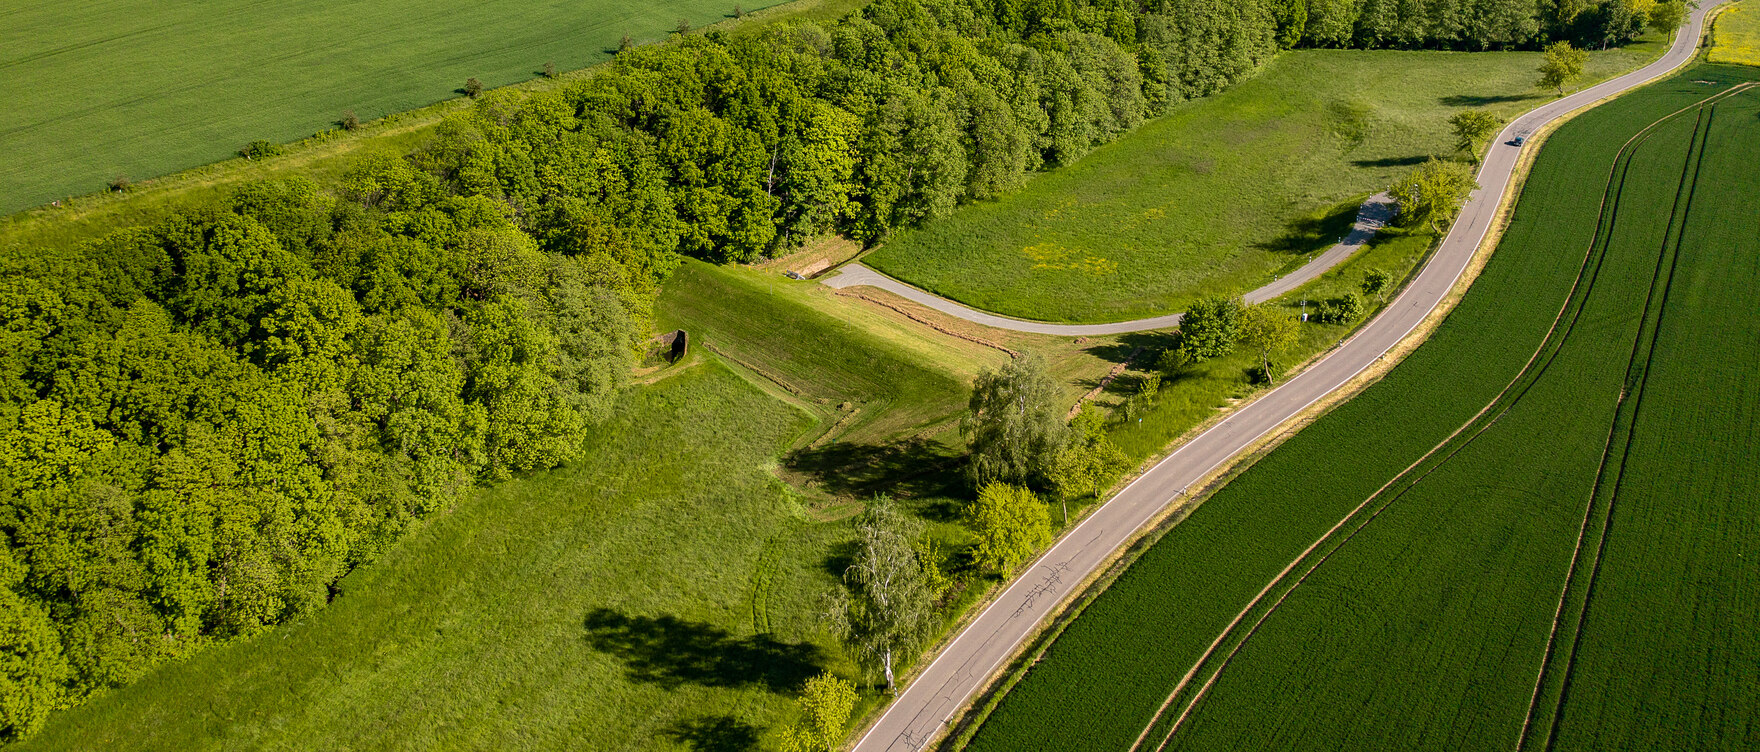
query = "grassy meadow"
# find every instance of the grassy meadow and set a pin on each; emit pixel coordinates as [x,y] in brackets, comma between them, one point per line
[1216,195]
[1456,574]
[103,88]
[1736,36]
[655,596]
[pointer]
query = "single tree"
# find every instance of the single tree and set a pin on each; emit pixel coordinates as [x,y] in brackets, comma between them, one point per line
[1209,327]
[739,12]
[1014,425]
[1561,65]
[349,121]
[1087,463]
[1668,15]
[1376,282]
[120,183]
[1266,329]
[549,69]
[1432,193]
[624,44]
[1472,125]
[887,609]
[1011,525]
[683,27]
[472,87]
[825,705]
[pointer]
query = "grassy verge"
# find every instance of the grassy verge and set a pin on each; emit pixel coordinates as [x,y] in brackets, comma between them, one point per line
[1219,193]
[1102,680]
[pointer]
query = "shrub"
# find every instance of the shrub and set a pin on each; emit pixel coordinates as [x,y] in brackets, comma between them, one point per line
[1340,310]
[259,149]
[1011,525]
[1210,327]
[349,122]
[472,87]
[549,70]
[739,12]
[684,26]
[120,183]
[625,43]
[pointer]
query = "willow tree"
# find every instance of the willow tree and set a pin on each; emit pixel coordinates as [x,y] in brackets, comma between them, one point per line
[1014,423]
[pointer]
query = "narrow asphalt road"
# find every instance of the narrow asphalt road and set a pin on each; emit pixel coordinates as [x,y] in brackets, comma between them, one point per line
[1374,213]
[919,714]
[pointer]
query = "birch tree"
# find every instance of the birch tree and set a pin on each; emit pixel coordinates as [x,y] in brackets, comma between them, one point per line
[887,609]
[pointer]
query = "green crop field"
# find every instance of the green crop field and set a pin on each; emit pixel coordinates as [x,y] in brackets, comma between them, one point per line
[1669,656]
[1736,38]
[1426,619]
[103,88]
[1216,194]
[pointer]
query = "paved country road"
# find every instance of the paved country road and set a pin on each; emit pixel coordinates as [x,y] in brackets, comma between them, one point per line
[919,714]
[1374,213]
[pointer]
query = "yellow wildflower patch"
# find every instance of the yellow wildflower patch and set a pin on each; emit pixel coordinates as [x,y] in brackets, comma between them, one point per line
[1736,37]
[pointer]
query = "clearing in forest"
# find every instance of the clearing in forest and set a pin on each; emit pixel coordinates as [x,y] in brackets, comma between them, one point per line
[1547,551]
[1217,194]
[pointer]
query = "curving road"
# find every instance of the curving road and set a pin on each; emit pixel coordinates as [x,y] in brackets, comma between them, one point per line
[919,714]
[1374,213]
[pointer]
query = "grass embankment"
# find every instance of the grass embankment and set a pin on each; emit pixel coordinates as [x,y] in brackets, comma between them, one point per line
[1214,195]
[108,88]
[656,596]
[1427,629]
[1736,36]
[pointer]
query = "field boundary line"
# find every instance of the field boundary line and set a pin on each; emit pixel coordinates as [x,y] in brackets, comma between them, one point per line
[1590,258]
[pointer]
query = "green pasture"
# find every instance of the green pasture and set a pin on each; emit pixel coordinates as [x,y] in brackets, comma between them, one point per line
[1426,630]
[103,88]
[1216,194]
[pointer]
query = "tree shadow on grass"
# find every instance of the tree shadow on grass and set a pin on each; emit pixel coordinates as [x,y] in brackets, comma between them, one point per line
[714,733]
[1315,232]
[1117,351]
[672,652]
[912,467]
[1391,161]
[1477,100]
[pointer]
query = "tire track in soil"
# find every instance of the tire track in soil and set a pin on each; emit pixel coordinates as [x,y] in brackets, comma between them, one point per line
[1548,349]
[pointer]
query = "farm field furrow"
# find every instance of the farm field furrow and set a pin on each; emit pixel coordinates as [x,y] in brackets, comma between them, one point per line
[1100,683]
[187,83]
